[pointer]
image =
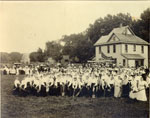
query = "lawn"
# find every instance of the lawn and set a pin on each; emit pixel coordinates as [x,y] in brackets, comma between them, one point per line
[66,107]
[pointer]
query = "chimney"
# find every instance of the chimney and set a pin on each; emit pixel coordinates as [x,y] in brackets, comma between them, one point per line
[120,25]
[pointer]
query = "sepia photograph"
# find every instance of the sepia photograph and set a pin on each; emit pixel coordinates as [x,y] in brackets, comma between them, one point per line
[75,59]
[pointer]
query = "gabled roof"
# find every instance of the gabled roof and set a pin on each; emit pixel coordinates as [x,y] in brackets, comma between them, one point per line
[120,30]
[103,39]
[123,38]
[130,38]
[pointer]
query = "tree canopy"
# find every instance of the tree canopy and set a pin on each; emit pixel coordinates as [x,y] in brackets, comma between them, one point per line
[141,27]
[103,26]
[10,57]
[81,46]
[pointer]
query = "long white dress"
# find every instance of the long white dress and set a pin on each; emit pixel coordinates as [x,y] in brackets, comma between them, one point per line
[118,86]
[141,94]
[148,79]
[133,91]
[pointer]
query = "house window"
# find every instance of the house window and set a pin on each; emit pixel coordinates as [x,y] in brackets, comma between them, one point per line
[124,62]
[108,49]
[142,49]
[114,48]
[99,49]
[134,48]
[126,48]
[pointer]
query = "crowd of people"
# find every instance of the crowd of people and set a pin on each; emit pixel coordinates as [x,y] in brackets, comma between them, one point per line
[86,80]
[22,70]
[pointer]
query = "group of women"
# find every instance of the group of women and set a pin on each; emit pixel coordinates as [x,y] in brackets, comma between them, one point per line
[90,81]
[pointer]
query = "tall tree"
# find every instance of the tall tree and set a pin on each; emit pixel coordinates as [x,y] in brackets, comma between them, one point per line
[103,26]
[15,57]
[33,57]
[53,49]
[141,27]
[77,46]
[5,58]
[40,55]
[37,56]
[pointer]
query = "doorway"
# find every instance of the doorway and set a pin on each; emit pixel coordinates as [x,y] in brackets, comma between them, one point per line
[137,63]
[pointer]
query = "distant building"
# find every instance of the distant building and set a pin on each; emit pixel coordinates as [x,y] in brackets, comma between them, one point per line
[65,59]
[123,46]
[51,60]
[25,58]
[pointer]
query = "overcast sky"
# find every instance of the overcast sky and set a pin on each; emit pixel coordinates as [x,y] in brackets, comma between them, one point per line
[25,26]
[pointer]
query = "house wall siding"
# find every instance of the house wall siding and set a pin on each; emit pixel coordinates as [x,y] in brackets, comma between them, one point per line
[120,49]
[116,55]
[138,51]
[145,55]
[97,53]
[131,63]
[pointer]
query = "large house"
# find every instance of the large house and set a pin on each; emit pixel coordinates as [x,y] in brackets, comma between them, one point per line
[123,46]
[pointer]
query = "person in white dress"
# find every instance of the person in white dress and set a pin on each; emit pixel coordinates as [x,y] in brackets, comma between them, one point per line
[16,83]
[134,90]
[141,93]
[117,86]
[16,89]
[148,79]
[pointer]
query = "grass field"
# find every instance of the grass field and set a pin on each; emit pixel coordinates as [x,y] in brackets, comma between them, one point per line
[66,107]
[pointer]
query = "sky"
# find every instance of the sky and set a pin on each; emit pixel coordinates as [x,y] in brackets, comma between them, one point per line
[26,26]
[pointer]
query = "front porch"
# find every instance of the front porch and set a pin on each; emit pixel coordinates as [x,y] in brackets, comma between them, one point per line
[133,60]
